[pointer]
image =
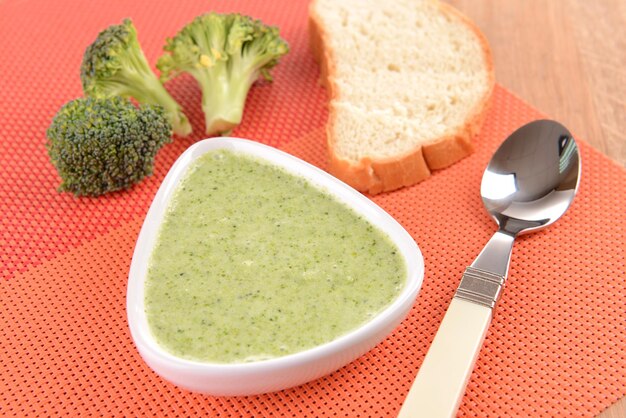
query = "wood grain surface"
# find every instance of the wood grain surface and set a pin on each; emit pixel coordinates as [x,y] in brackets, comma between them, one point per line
[568,59]
[565,57]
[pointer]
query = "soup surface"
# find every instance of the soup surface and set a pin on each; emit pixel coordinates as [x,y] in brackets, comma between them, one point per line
[253,262]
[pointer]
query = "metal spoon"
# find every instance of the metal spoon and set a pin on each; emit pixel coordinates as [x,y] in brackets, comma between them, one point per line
[529,184]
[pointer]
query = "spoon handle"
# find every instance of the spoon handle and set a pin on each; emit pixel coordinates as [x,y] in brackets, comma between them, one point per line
[440,383]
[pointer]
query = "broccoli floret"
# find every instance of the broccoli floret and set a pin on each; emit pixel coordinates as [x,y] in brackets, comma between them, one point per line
[102,145]
[115,65]
[225,54]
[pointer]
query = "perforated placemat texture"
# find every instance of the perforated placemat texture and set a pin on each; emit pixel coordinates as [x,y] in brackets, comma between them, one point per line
[557,345]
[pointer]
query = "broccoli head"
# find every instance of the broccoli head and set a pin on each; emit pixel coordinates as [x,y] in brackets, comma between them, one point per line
[102,145]
[115,65]
[225,54]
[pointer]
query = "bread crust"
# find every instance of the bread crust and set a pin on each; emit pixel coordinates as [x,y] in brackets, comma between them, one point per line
[382,175]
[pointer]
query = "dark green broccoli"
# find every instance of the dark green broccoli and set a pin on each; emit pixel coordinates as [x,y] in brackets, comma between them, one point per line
[225,54]
[115,65]
[102,145]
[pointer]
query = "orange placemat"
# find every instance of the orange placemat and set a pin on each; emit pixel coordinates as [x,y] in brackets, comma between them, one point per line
[557,345]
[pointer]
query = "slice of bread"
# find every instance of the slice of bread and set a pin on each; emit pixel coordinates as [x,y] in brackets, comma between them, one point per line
[409,83]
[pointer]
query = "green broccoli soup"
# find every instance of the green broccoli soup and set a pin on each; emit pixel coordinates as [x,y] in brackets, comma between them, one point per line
[253,262]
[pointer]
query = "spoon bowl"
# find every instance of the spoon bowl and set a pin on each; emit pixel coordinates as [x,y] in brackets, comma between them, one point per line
[532,178]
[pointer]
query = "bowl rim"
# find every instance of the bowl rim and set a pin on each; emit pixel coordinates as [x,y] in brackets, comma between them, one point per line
[136,317]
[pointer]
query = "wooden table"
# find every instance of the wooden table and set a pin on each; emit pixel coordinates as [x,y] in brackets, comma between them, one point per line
[568,59]
[565,57]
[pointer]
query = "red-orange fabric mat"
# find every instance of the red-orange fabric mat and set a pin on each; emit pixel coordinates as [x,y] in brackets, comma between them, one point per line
[557,345]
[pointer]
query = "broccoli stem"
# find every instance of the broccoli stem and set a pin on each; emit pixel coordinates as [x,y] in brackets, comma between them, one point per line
[153,92]
[224,95]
